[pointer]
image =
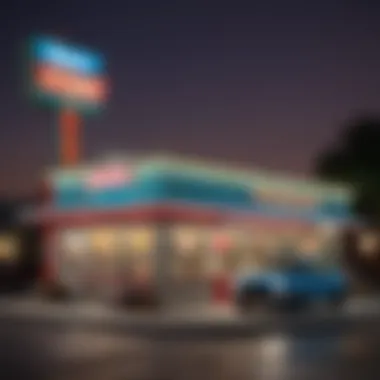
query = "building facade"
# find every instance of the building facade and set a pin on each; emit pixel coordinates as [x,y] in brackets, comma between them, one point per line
[181,225]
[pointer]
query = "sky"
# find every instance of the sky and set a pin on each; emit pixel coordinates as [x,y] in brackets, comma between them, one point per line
[267,83]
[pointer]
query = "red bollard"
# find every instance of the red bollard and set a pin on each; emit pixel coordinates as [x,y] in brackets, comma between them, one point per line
[222,289]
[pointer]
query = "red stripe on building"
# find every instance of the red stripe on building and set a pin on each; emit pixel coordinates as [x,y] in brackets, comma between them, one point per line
[165,213]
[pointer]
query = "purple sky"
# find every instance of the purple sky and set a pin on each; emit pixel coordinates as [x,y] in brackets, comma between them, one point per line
[266,84]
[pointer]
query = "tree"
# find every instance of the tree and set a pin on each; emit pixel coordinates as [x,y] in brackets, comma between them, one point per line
[355,159]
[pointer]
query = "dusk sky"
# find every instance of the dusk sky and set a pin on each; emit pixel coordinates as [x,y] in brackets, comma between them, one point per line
[268,84]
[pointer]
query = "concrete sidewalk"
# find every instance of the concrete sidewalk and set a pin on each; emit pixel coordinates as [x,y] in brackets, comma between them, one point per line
[93,314]
[35,307]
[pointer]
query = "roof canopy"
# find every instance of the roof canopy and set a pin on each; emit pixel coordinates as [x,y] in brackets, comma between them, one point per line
[267,181]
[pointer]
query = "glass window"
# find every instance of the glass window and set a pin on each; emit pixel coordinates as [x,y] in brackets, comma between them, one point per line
[9,248]
[327,246]
[247,261]
[368,244]
[257,250]
[189,263]
[188,252]
[103,241]
[74,256]
[142,244]
[134,251]
[228,247]
[232,258]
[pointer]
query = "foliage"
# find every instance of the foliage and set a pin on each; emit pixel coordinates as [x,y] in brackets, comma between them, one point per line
[355,159]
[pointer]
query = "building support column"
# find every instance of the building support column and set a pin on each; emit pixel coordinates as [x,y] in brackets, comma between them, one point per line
[163,265]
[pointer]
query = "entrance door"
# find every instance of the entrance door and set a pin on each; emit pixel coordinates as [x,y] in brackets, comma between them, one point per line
[102,266]
[189,284]
[73,261]
[87,263]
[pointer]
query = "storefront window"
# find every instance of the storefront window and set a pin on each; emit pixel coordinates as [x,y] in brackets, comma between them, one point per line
[368,244]
[74,257]
[188,252]
[267,248]
[247,256]
[212,264]
[133,252]
[223,250]
[309,246]
[9,248]
[320,246]
[257,256]
[102,255]
[207,252]
[325,250]
[235,250]
[189,262]
[142,244]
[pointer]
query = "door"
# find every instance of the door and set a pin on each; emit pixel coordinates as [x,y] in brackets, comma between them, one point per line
[189,283]
[103,263]
[73,260]
[87,262]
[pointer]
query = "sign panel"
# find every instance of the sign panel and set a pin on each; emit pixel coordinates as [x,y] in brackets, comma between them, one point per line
[55,53]
[67,76]
[109,176]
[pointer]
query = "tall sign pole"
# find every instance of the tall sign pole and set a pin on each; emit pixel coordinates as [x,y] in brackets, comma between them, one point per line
[72,80]
[69,137]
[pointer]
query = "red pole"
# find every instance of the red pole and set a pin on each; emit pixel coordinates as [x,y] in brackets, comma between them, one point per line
[69,123]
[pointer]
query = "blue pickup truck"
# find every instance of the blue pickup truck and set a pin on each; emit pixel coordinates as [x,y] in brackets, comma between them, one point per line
[294,287]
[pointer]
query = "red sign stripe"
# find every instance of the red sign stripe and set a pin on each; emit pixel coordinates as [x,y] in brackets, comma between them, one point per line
[70,85]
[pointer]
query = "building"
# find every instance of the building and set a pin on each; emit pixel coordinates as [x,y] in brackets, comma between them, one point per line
[19,247]
[180,225]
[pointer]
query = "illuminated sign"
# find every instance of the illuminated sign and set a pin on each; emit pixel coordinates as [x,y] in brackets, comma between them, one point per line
[56,53]
[62,83]
[108,177]
[68,75]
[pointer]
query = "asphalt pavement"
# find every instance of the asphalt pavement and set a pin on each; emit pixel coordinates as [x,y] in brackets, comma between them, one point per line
[31,351]
[90,341]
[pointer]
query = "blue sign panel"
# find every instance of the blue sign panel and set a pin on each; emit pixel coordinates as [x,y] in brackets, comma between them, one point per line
[73,58]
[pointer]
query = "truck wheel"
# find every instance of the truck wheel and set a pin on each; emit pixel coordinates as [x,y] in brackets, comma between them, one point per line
[251,300]
[338,300]
[290,304]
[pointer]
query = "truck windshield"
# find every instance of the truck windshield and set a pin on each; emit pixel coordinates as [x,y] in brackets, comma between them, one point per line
[293,260]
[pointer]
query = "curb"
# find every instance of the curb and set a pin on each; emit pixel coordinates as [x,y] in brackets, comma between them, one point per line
[173,328]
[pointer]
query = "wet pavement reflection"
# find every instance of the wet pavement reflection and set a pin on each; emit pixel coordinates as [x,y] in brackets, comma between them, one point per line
[73,353]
